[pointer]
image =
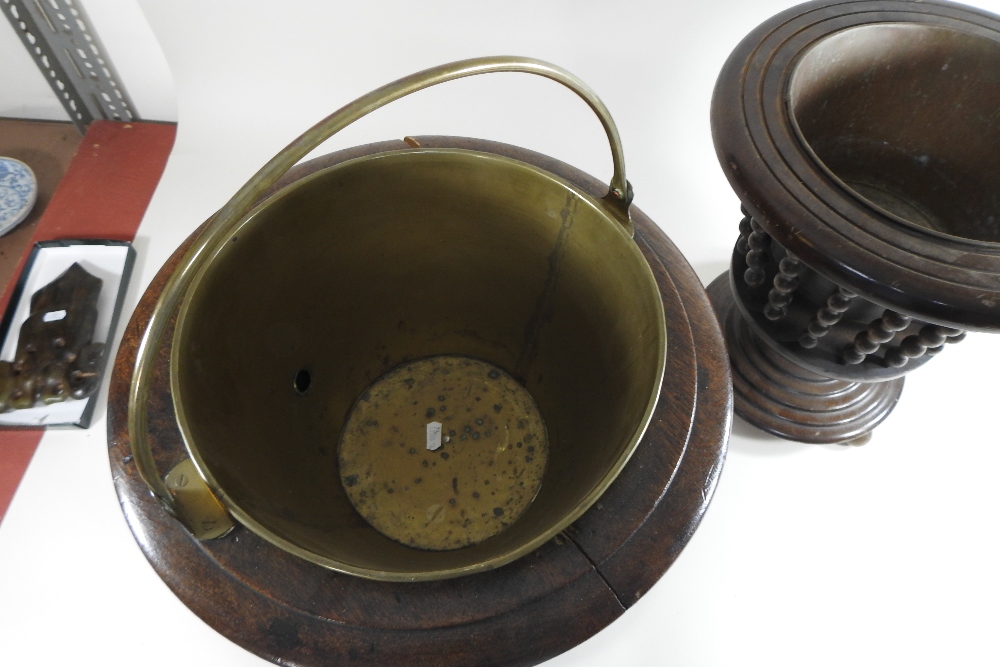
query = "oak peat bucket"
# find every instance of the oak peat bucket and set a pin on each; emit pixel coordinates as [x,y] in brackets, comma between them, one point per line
[291,308]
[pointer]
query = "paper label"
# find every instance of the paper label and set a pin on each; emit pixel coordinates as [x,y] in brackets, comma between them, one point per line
[433,435]
[53,315]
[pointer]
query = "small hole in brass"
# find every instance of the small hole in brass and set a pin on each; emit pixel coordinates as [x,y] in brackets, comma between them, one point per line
[302,381]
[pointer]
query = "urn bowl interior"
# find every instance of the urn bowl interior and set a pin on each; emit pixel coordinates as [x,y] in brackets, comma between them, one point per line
[906,117]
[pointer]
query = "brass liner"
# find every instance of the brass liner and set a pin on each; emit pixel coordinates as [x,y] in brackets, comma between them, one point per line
[557,295]
[396,257]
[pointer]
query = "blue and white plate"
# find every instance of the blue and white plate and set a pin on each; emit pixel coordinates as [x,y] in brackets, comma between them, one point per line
[18,190]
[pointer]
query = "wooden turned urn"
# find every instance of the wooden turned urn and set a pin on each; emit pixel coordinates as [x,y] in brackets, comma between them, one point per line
[863,141]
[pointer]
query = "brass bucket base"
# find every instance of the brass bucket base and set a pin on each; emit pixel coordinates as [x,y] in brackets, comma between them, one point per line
[443,452]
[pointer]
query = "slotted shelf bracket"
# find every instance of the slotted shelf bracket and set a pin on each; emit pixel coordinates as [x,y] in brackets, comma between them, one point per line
[64,45]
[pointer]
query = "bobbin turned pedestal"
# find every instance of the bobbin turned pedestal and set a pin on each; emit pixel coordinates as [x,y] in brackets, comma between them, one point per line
[799,369]
[858,137]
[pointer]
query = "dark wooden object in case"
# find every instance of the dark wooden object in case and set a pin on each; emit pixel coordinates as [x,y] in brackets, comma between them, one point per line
[863,141]
[56,359]
[291,611]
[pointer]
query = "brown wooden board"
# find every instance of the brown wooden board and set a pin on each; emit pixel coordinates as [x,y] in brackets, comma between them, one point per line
[294,612]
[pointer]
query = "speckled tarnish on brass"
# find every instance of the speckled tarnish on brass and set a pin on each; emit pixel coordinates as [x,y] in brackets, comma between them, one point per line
[484,475]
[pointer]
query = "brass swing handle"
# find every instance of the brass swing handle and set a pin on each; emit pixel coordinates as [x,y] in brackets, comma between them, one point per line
[218,230]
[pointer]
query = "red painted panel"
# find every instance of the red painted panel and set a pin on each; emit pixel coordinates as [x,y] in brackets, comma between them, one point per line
[103,195]
[16,449]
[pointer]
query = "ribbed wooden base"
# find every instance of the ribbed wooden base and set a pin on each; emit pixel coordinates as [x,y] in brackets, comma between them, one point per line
[777,395]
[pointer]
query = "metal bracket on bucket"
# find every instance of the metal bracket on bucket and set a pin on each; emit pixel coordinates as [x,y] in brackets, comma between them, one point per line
[204,507]
[195,504]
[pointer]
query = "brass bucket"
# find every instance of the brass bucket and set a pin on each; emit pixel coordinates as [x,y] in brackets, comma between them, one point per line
[381,260]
